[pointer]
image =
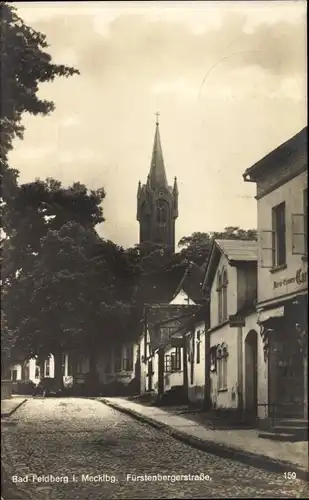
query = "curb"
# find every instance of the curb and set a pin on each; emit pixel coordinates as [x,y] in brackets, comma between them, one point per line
[8,414]
[221,450]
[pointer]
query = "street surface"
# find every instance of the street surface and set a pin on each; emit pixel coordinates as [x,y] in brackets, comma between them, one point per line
[81,449]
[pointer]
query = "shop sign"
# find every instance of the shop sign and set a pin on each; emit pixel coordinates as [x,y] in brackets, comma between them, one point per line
[300,278]
[237,321]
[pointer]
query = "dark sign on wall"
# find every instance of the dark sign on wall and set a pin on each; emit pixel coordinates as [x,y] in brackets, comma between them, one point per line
[237,321]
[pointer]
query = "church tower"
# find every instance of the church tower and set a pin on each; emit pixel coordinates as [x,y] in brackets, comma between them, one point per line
[157,202]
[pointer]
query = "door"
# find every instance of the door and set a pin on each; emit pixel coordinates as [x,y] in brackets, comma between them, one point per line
[251,373]
[289,377]
[149,375]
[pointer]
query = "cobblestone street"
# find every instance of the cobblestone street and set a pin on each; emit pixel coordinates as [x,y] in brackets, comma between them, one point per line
[73,440]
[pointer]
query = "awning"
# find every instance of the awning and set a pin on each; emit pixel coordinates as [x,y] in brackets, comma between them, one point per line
[267,314]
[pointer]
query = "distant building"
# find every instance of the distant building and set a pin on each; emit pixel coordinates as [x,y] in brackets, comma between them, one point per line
[34,371]
[282,300]
[166,364]
[157,202]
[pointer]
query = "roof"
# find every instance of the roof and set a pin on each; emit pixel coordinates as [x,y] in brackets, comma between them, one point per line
[191,282]
[292,147]
[236,251]
[157,169]
[239,250]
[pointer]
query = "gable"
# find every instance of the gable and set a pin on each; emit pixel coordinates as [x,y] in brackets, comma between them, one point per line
[182,299]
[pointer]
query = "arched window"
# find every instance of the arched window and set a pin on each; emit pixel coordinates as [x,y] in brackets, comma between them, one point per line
[224,294]
[219,291]
[161,213]
[222,357]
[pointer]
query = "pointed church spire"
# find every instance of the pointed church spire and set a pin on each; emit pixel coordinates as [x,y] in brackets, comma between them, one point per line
[175,188]
[157,168]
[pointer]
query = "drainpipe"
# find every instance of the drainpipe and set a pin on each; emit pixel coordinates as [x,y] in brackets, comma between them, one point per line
[207,394]
[306,385]
[240,369]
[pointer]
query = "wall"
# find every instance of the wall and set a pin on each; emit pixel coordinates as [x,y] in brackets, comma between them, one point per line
[144,366]
[246,284]
[197,388]
[231,292]
[106,365]
[292,194]
[155,369]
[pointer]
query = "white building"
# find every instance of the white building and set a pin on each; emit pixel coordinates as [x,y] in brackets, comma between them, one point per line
[237,377]
[282,299]
[31,369]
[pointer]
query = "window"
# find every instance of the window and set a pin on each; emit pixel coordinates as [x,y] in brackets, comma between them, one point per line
[176,360]
[47,367]
[222,357]
[161,212]
[63,364]
[213,359]
[224,282]
[167,363]
[107,368]
[14,375]
[198,347]
[79,365]
[117,359]
[128,361]
[219,291]
[37,369]
[278,232]
[70,366]
[26,371]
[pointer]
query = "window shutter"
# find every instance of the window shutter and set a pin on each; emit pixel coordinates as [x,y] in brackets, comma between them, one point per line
[266,248]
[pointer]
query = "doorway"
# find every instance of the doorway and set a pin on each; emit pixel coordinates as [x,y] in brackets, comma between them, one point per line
[251,382]
[149,374]
[287,375]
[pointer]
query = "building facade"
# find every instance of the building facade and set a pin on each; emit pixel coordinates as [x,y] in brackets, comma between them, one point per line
[118,363]
[236,350]
[157,202]
[34,371]
[282,301]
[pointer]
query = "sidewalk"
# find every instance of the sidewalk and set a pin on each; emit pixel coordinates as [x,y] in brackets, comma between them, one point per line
[9,406]
[238,444]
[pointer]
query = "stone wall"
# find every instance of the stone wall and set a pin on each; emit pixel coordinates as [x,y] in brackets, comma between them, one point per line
[6,389]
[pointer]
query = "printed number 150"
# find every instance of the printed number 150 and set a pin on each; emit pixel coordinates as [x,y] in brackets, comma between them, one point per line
[290,475]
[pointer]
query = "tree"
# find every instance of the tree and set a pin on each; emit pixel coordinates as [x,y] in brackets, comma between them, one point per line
[196,248]
[24,65]
[71,298]
[38,207]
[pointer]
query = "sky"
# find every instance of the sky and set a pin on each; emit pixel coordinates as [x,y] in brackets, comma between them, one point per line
[229,82]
